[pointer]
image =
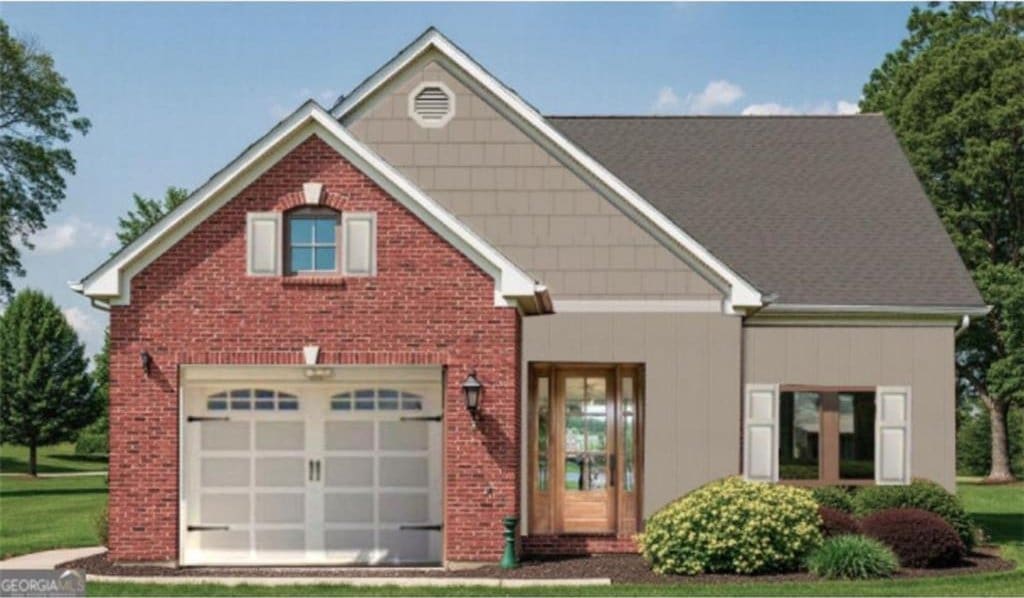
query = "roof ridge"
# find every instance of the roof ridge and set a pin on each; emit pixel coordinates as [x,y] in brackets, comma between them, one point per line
[707,116]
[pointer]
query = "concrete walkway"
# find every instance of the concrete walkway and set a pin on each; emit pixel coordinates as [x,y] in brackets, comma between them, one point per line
[64,474]
[49,559]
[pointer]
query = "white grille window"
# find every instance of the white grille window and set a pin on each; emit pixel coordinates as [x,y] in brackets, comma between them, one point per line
[431,104]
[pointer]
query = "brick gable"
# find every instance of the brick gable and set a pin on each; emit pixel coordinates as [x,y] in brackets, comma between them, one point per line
[196,305]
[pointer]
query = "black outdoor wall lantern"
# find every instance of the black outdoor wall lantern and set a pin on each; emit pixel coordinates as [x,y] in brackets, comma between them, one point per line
[472,389]
[147,362]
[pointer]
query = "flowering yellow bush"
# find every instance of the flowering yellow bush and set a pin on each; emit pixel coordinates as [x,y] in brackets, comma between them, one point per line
[733,526]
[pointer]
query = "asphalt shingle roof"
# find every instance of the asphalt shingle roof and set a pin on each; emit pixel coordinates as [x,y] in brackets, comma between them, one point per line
[819,210]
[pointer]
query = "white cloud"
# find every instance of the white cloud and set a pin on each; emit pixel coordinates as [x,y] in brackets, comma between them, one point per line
[667,101]
[715,96]
[281,109]
[844,107]
[73,232]
[80,320]
[768,109]
[776,109]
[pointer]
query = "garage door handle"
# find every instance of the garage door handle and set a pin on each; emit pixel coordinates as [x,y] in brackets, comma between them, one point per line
[318,470]
[200,418]
[421,418]
[428,527]
[208,528]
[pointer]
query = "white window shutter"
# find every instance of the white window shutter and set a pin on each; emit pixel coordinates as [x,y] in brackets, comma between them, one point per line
[263,243]
[359,254]
[892,435]
[761,432]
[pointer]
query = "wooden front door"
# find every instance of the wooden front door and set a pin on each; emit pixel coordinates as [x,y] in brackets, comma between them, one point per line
[585,449]
[585,402]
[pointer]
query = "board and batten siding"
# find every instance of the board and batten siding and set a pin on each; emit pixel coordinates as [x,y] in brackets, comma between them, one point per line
[916,356]
[512,192]
[692,386]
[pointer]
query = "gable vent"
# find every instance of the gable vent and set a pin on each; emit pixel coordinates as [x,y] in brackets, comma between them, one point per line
[432,105]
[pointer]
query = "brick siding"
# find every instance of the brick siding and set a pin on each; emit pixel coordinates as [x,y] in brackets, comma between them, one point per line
[428,305]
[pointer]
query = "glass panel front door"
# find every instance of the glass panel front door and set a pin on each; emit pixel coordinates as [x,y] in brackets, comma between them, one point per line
[588,452]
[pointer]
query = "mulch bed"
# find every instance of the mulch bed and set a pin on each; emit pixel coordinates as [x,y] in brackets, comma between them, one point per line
[620,568]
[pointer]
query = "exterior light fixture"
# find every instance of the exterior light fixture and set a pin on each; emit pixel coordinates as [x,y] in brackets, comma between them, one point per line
[147,362]
[472,389]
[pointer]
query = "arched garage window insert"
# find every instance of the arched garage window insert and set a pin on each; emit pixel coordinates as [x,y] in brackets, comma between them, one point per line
[376,399]
[249,399]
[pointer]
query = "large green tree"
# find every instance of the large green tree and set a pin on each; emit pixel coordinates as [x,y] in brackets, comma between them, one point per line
[954,93]
[147,212]
[37,119]
[46,394]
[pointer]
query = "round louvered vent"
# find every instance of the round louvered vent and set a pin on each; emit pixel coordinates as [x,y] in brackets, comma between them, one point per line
[432,105]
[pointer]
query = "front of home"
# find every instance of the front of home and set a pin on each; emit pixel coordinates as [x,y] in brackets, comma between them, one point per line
[646,304]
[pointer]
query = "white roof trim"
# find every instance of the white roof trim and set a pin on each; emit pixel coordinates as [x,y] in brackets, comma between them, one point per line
[741,293]
[923,310]
[111,282]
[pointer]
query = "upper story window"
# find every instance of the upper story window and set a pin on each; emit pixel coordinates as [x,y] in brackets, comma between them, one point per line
[313,241]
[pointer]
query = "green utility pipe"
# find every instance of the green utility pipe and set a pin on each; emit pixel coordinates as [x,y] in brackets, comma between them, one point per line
[508,559]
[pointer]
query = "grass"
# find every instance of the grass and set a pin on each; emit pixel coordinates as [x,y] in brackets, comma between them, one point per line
[999,509]
[58,458]
[44,513]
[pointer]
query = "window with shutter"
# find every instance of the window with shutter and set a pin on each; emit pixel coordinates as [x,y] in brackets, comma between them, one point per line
[432,104]
[359,231]
[761,437]
[263,243]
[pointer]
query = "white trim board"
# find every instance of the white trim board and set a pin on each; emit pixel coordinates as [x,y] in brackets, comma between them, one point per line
[111,282]
[692,306]
[740,293]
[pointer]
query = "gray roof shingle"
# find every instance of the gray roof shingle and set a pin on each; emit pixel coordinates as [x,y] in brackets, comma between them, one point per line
[819,210]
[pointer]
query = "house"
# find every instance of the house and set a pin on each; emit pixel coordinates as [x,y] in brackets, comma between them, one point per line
[386,326]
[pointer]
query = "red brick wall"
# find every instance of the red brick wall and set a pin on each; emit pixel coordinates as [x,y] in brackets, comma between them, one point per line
[428,304]
[555,544]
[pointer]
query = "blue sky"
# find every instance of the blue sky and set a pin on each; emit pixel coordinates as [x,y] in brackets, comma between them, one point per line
[175,91]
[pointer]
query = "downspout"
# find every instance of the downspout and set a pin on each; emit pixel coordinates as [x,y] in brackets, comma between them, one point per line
[962,328]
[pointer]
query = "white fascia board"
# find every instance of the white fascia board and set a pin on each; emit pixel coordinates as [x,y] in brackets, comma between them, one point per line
[742,294]
[910,310]
[111,281]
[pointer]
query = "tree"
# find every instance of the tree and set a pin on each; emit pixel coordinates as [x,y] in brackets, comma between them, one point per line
[37,119]
[147,212]
[46,394]
[954,94]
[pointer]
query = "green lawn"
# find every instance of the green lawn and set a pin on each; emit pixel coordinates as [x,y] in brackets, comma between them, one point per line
[59,512]
[999,509]
[43,513]
[59,458]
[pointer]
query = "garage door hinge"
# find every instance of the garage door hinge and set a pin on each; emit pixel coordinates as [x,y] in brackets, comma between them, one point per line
[436,528]
[200,418]
[421,418]
[208,528]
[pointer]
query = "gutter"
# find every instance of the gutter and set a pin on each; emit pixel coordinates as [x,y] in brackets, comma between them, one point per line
[962,327]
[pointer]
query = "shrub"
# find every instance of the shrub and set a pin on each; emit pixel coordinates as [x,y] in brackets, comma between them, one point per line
[837,523]
[102,526]
[919,538]
[91,444]
[920,494]
[733,526]
[852,557]
[835,497]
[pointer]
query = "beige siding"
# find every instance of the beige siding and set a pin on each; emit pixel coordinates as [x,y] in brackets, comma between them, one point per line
[919,357]
[513,193]
[692,395]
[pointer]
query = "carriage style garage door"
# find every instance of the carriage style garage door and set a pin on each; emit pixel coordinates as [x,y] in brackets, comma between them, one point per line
[337,465]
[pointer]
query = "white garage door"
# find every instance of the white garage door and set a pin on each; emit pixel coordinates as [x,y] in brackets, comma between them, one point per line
[279,470]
